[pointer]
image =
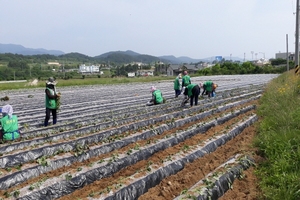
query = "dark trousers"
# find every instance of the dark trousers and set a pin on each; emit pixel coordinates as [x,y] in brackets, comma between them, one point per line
[195,95]
[177,93]
[54,116]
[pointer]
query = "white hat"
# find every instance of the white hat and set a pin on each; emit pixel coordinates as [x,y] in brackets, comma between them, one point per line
[8,109]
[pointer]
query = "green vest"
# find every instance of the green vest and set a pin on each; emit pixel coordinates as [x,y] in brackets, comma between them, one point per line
[51,103]
[189,88]
[10,127]
[158,96]
[186,80]
[208,85]
[176,84]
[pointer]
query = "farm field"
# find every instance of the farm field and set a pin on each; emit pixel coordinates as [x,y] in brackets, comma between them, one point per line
[108,145]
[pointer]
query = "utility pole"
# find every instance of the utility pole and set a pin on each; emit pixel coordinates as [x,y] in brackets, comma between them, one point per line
[252,54]
[287,54]
[297,35]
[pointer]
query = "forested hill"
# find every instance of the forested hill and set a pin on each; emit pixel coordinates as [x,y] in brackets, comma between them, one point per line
[117,57]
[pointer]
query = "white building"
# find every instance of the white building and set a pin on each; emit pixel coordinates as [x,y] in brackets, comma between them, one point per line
[131,74]
[89,69]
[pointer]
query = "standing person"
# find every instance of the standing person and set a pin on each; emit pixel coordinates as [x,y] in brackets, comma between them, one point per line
[177,85]
[51,101]
[157,97]
[9,124]
[192,91]
[186,80]
[208,88]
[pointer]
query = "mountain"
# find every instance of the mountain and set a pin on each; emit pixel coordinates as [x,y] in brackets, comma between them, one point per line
[128,52]
[19,49]
[127,57]
[118,57]
[182,59]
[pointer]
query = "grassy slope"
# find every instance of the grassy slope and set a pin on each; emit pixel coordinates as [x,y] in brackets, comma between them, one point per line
[86,81]
[279,138]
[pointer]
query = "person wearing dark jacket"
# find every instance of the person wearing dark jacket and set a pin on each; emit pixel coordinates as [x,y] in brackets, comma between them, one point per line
[192,91]
[51,97]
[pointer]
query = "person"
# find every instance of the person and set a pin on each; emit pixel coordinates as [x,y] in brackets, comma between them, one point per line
[157,97]
[191,92]
[177,85]
[9,125]
[186,80]
[209,88]
[51,103]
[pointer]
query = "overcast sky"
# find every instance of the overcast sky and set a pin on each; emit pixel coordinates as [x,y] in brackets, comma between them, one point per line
[194,28]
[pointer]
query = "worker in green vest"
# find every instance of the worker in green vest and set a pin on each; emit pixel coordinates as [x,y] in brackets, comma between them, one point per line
[209,88]
[177,85]
[186,80]
[51,97]
[191,92]
[9,125]
[157,97]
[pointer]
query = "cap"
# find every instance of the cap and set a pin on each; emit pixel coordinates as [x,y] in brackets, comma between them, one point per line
[51,81]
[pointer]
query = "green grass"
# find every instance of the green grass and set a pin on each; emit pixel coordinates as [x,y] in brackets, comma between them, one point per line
[279,138]
[86,81]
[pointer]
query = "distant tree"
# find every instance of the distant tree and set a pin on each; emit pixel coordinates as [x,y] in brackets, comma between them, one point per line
[278,61]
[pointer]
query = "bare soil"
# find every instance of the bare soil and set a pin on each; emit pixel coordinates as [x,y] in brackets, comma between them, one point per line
[172,186]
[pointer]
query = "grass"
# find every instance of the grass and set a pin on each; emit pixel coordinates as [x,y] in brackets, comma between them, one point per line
[279,138]
[86,81]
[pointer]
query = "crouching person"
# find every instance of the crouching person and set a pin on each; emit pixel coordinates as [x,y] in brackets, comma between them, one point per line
[191,93]
[157,97]
[9,125]
[209,88]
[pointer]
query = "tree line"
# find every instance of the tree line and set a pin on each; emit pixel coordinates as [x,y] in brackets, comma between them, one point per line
[20,67]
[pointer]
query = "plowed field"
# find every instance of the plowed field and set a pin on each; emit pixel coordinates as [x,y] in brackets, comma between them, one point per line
[108,144]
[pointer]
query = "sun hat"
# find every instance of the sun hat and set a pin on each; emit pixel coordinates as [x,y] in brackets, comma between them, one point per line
[152,88]
[51,81]
[8,109]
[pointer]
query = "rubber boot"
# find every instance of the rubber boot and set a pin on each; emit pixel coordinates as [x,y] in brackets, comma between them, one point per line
[54,121]
[46,123]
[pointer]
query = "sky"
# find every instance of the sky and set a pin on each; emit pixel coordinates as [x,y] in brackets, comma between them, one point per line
[248,29]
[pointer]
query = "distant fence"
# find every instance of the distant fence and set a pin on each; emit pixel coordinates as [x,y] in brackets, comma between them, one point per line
[13,81]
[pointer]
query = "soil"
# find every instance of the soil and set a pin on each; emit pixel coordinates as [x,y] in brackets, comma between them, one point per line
[246,188]
[172,186]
